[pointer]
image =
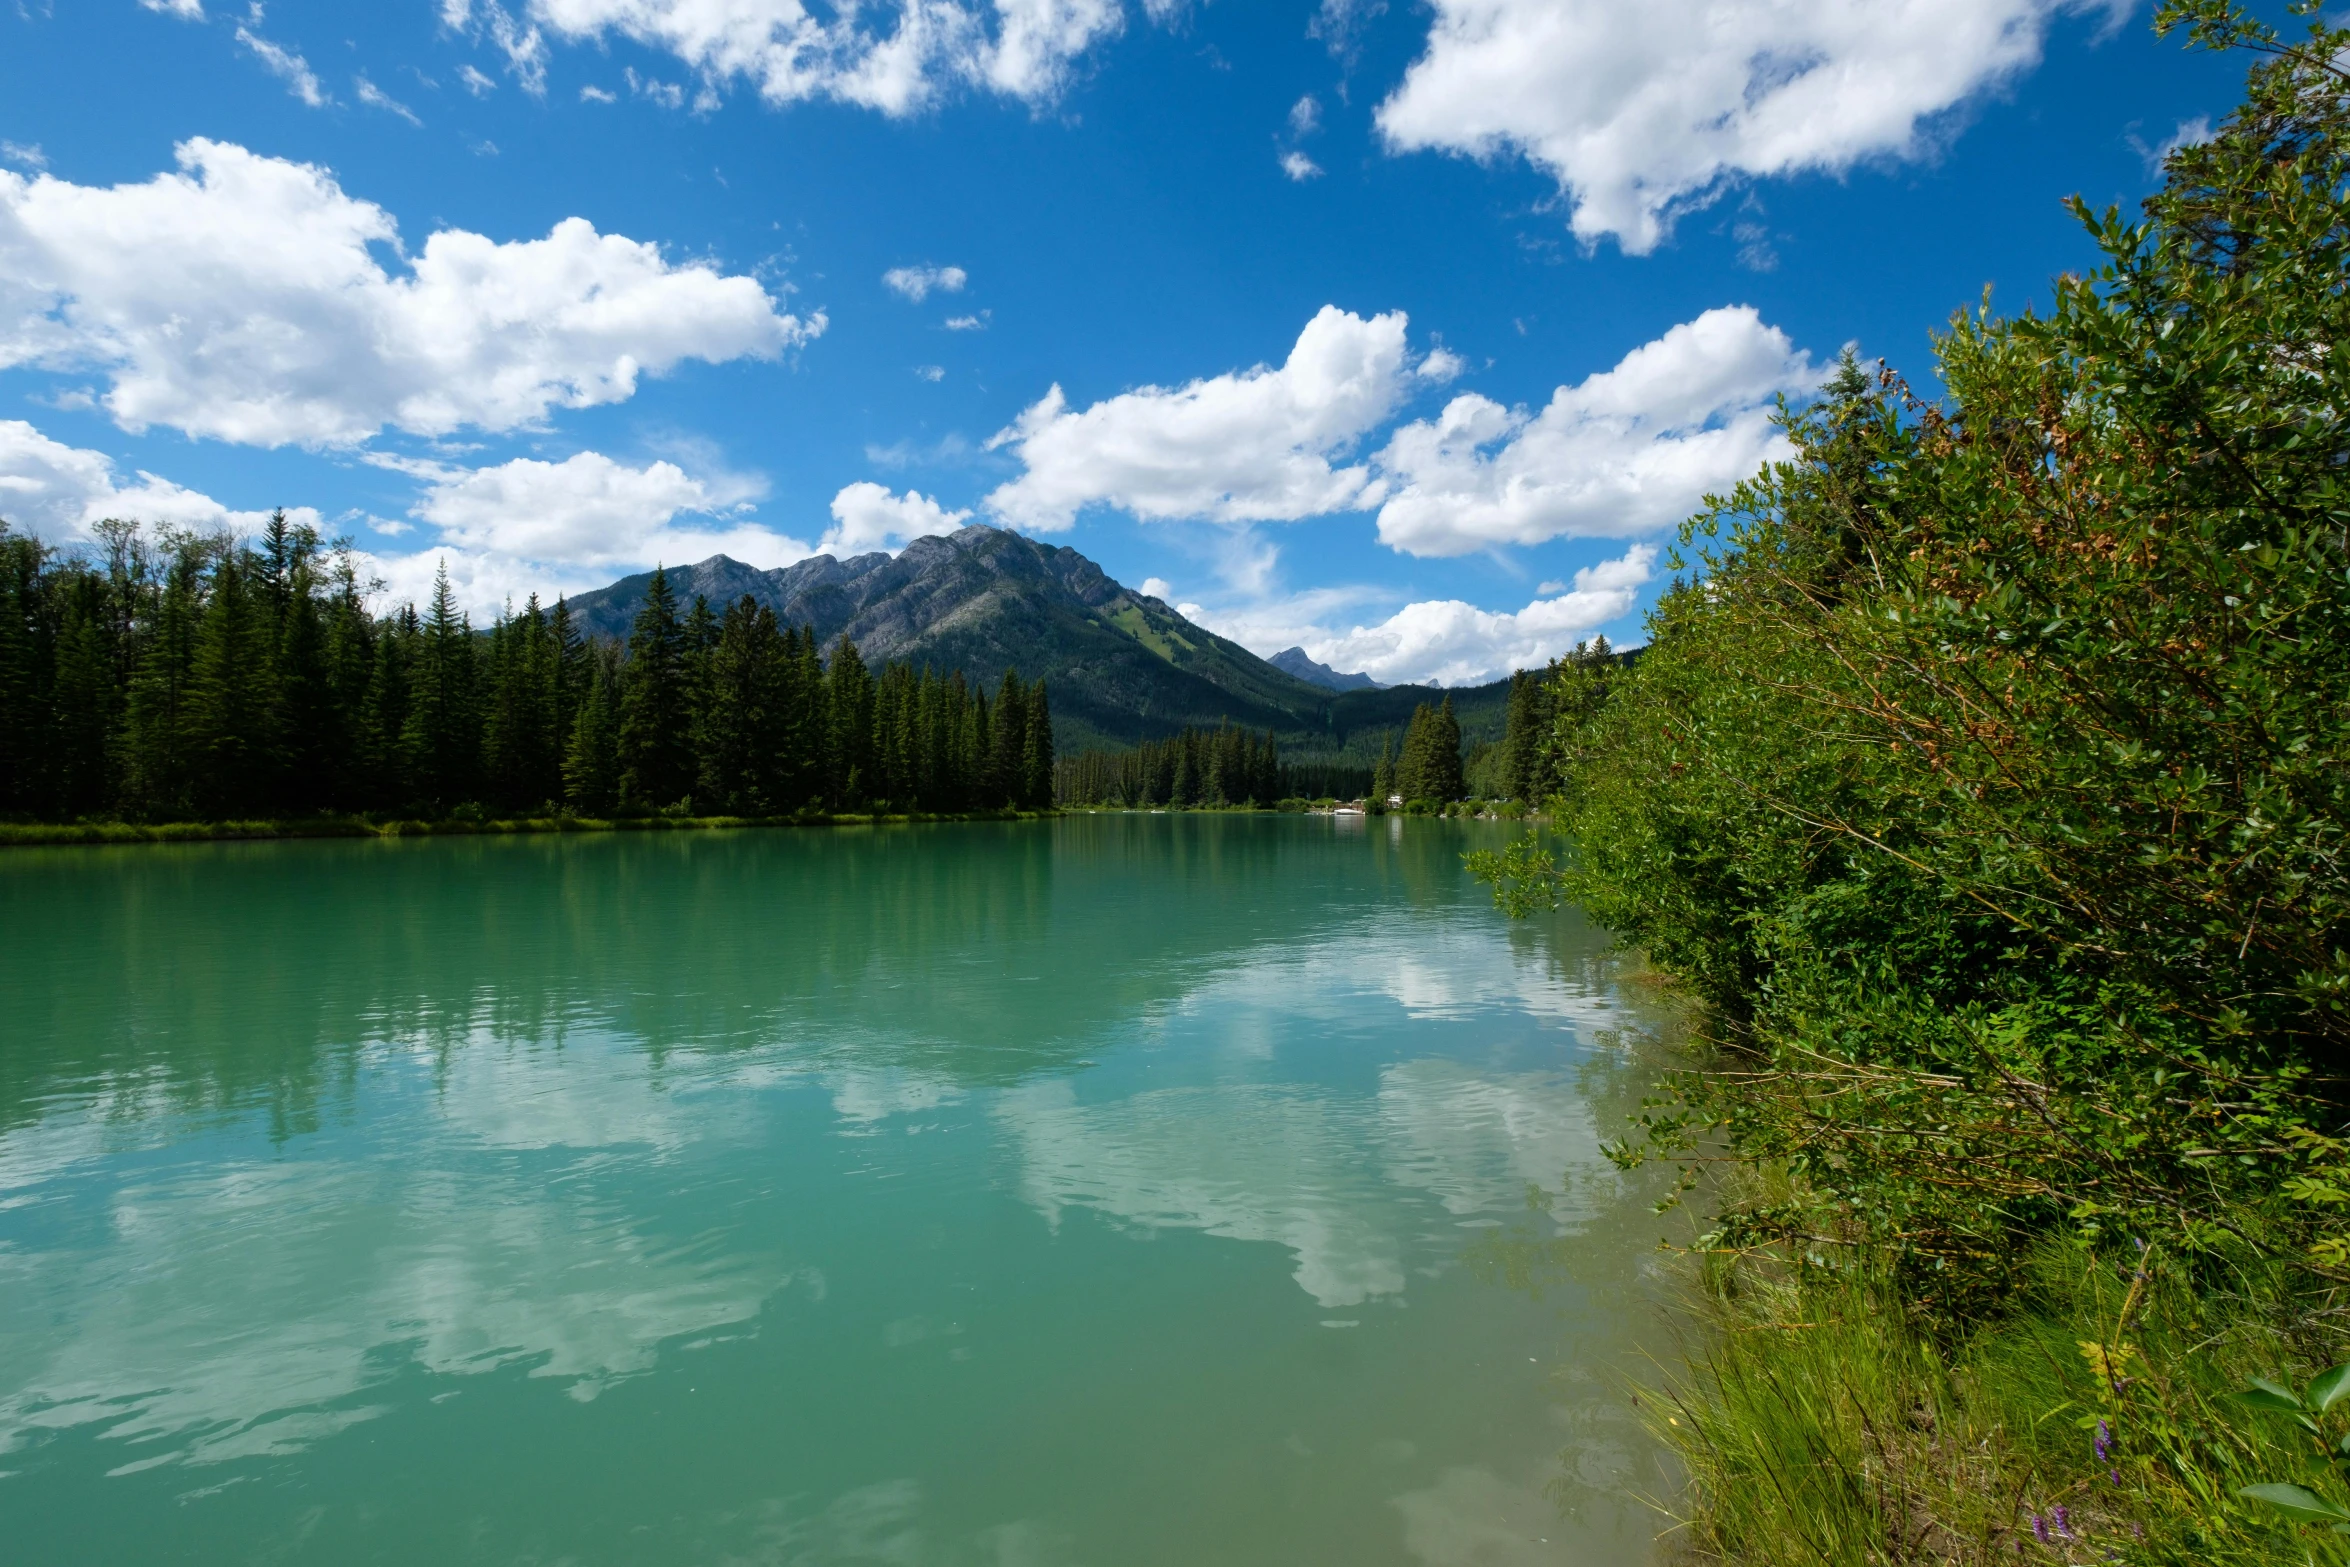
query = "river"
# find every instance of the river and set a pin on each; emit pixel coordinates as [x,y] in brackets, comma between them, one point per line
[1117,1190]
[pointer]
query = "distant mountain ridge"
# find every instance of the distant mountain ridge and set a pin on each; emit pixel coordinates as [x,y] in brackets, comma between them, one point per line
[1121,665]
[1294,661]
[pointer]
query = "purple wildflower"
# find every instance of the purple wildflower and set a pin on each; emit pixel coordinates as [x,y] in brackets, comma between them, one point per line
[2104,1442]
[2064,1521]
[2039,1528]
[2116,1475]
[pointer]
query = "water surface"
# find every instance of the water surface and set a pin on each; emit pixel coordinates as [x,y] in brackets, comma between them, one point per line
[1117,1190]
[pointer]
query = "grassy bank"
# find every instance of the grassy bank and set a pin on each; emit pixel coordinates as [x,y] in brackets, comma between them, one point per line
[1825,1416]
[28,834]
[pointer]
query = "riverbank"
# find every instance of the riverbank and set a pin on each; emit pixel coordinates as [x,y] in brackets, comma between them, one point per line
[1829,1409]
[1985,781]
[34,834]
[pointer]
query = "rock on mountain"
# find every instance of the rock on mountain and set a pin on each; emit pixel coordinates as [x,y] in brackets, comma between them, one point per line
[1293,661]
[1121,666]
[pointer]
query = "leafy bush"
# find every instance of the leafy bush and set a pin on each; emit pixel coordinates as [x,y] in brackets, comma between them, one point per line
[1990,777]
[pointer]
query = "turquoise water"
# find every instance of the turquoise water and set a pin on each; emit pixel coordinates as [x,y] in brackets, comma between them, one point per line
[1115,1190]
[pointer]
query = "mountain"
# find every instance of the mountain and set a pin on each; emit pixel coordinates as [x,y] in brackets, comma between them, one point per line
[1122,666]
[1293,661]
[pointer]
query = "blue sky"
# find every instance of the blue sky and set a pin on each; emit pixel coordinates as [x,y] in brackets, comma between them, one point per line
[1403,331]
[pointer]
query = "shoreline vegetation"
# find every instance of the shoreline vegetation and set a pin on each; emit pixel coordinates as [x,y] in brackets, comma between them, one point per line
[48,834]
[1985,786]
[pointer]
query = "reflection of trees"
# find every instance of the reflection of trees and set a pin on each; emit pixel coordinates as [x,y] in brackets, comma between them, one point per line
[257,975]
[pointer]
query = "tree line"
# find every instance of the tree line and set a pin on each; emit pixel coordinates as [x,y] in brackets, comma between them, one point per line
[178,676]
[1226,765]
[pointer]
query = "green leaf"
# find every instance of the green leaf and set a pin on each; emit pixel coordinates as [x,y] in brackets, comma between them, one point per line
[2328,1388]
[2296,1503]
[2264,1394]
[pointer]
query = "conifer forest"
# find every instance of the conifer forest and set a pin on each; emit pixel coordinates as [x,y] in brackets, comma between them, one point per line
[169,676]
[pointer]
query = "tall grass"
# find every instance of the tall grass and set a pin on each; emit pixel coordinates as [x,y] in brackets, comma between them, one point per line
[2096,1422]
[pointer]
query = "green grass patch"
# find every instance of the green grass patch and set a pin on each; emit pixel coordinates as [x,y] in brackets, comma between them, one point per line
[2100,1420]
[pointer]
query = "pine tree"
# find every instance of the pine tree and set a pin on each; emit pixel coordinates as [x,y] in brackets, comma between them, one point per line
[591,763]
[442,738]
[742,721]
[1521,741]
[571,676]
[84,698]
[383,722]
[978,748]
[25,662]
[350,661]
[158,775]
[1036,787]
[849,701]
[313,742]
[657,764]
[234,711]
[1008,767]
[1443,762]
[1383,777]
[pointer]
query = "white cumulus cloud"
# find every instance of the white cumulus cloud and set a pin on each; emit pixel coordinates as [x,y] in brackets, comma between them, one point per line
[1441,641]
[1625,451]
[55,492]
[867,517]
[916,283]
[239,299]
[1644,111]
[1254,445]
[529,525]
[789,53]
[186,10]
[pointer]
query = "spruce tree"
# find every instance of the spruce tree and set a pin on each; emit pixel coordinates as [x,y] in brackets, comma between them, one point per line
[1521,743]
[383,722]
[657,764]
[442,738]
[742,720]
[158,778]
[571,676]
[24,667]
[313,717]
[1036,791]
[591,763]
[84,698]
[849,700]
[1443,762]
[1411,767]
[350,662]
[234,712]
[1008,767]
